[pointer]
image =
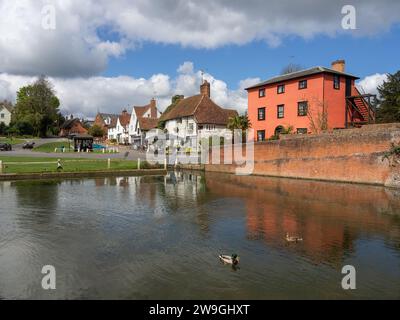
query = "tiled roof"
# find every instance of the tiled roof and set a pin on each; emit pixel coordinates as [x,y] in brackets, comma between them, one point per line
[147,124]
[69,123]
[202,108]
[141,110]
[300,74]
[8,108]
[113,123]
[124,119]
[108,115]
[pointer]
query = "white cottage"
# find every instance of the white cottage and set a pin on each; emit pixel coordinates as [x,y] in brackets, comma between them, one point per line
[119,128]
[5,114]
[143,119]
[197,117]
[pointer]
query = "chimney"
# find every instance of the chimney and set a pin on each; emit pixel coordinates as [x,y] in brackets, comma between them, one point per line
[205,89]
[124,112]
[153,108]
[339,65]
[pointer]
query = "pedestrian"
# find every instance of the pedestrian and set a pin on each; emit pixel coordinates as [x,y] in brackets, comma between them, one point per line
[59,166]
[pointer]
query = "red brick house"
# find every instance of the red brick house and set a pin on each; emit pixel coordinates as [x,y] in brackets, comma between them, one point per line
[72,127]
[308,101]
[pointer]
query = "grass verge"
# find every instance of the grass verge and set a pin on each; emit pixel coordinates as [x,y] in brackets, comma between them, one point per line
[39,165]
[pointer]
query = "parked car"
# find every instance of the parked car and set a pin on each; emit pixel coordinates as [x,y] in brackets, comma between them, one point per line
[28,145]
[5,147]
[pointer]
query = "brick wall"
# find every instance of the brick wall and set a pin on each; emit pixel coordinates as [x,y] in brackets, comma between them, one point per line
[345,155]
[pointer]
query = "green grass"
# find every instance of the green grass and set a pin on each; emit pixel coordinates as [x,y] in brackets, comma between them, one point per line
[36,165]
[50,147]
[11,141]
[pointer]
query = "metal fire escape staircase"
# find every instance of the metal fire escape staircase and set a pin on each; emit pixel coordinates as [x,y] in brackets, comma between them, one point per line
[360,110]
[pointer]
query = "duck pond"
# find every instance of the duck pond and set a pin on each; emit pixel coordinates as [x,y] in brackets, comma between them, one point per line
[159,237]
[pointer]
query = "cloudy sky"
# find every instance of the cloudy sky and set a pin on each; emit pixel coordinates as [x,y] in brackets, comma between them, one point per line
[108,55]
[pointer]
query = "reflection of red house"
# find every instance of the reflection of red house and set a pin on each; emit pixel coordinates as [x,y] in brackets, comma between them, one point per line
[304,98]
[72,127]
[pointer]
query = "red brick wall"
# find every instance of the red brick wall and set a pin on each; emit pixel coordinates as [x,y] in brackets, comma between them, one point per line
[345,155]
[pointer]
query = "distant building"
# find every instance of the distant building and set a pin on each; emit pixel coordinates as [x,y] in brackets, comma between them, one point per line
[143,119]
[72,127]
[105,120]
[195,117]
[308,101]
[119,128]
[5,114]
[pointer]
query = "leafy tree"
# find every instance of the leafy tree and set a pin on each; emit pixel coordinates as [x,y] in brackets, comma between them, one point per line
[389,107]
[3,129]
[38,106]
[96,131]
[239,122]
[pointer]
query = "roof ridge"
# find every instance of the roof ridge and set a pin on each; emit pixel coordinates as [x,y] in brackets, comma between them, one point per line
[195,109]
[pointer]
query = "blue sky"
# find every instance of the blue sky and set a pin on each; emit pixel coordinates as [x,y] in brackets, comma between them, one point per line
[364,56]
[109,55]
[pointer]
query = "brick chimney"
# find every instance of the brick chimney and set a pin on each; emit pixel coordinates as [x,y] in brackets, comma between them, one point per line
[339,65]
[205,89]
[153,108]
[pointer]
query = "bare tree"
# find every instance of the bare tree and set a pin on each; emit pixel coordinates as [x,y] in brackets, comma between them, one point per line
[291,67]
[317,113]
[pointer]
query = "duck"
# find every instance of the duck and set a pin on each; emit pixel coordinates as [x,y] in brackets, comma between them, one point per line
[292,238]
[233,259]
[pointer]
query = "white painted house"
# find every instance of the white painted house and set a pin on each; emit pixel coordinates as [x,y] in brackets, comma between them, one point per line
[5,114]
[143,119]
[197,117]
[119,128]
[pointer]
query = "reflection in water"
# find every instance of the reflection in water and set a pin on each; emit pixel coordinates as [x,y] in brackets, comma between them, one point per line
[160,236]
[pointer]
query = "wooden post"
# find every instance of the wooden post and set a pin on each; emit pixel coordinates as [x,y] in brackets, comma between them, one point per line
[109,163]
[1,166]
[165,163]
[138,163]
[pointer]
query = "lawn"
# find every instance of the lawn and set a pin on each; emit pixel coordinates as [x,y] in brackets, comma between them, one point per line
[11,141]
[50,147]
[33,165]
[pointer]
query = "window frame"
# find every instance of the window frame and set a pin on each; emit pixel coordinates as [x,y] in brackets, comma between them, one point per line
[259,92]
[298,109]
[283,111]
[301,129]
[258,113]
[336,85]
[303,81]
[263,133]
[280,86]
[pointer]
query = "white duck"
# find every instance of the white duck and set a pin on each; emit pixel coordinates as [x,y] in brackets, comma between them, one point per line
[233,260]
[292,238]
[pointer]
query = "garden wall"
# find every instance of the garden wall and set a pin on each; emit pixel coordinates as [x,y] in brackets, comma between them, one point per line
[354,155]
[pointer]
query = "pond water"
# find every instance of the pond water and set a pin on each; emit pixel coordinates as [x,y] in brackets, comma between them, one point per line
[160,237]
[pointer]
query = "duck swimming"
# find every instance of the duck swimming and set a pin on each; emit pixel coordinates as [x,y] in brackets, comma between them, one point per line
[233,259]
[292,238]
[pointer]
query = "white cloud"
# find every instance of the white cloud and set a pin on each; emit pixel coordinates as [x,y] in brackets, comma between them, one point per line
[78,47]
[370,83]
[86,96]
